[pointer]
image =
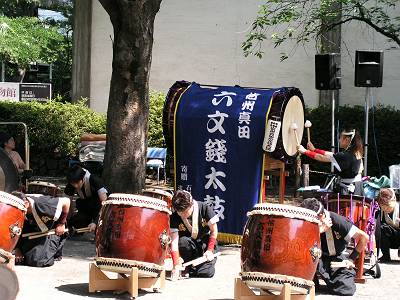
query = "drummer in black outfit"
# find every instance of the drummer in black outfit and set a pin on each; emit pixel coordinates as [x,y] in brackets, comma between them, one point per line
[91,192]
[194,234]
[44,213]
[336,233]
[348,162]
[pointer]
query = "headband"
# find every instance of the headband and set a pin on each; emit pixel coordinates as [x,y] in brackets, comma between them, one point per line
[320,209]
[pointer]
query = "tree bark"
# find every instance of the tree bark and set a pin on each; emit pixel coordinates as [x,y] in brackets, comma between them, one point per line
[128,104]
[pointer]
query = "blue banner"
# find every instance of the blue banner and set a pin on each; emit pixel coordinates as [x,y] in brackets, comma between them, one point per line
[219,132]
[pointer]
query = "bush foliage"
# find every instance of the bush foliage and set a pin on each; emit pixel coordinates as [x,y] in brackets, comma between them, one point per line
[56,127]
[383,122]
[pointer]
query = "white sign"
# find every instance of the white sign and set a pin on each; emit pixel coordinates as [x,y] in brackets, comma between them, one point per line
[271,135]
[9,91]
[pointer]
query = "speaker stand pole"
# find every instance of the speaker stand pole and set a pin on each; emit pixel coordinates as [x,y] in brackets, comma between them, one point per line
[367,97]
[333,126]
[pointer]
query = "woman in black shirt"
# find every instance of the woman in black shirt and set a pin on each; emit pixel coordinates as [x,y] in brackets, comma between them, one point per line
[348,162]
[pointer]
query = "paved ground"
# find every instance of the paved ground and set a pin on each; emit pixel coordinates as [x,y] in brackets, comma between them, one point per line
[68,279]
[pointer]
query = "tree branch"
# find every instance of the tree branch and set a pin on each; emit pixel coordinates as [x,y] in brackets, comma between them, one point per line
[392,36]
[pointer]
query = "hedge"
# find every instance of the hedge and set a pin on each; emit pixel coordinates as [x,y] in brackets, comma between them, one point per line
[383,121]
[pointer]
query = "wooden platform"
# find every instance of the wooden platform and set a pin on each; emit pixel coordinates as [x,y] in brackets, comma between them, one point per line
[99,281]
[243,292]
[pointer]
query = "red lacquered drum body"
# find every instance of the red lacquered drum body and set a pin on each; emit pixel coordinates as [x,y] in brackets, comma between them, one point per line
[281,244]
[12,213]
[356,208]
[133,231]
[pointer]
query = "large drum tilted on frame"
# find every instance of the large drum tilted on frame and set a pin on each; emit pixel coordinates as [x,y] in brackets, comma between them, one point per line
[12,213]
[281,244]
[287,108]
[133,231]
[9,178]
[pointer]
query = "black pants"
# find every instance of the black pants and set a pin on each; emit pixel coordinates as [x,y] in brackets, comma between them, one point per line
[339,281]
[88,211]
[41,252]
[389,239]
[190,249]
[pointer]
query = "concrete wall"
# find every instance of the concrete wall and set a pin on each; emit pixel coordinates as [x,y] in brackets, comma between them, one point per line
[201,41]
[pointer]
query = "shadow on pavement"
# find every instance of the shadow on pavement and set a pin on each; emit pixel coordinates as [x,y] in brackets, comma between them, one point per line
[82,289]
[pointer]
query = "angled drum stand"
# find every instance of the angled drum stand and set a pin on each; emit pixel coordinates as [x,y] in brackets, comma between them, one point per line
[243,292]
[99,281]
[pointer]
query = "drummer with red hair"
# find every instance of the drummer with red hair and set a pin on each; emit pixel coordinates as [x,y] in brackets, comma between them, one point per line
[336,268]
[194,233]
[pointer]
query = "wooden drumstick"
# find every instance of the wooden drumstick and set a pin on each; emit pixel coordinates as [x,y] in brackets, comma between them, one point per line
[307,125]
[294,127]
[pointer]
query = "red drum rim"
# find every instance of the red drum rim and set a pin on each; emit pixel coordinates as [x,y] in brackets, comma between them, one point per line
[138,201]
[125,265]
[12,200]
[282,210]
[276,281]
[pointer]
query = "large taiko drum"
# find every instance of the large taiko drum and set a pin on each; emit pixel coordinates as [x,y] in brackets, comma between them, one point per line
[287,107]
[281,244]
[12,213]
[171,100]
[133,231]
[44,188]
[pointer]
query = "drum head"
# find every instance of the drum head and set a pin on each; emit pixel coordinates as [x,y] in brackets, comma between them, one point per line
[294,113]
[8,284]
[8,173]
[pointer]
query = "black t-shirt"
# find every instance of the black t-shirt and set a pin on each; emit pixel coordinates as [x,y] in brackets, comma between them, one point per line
[96,186]
[342,232]
[348,164]
[46,210]
[206,213]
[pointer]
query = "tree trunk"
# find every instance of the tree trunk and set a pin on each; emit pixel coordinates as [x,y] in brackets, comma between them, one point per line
[128,104]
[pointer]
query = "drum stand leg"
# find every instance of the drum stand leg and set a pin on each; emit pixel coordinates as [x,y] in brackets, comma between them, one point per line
[98,281]
[243,292]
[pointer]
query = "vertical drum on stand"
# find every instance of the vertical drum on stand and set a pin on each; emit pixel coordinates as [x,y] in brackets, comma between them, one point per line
[133,231]
[281,244]
[12,213]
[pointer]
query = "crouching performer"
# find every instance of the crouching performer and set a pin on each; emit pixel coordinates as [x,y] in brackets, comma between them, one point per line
[43,234]
[335,268]
[194,234]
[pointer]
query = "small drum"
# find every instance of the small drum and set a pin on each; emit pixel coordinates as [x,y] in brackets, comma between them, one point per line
[159,194]
[287,108]
[281,244]
[133,231]
[9,178]
[355,208]
[44,188]
[12,213]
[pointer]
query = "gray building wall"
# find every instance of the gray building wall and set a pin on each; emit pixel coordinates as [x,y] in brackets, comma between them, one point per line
[201,41]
